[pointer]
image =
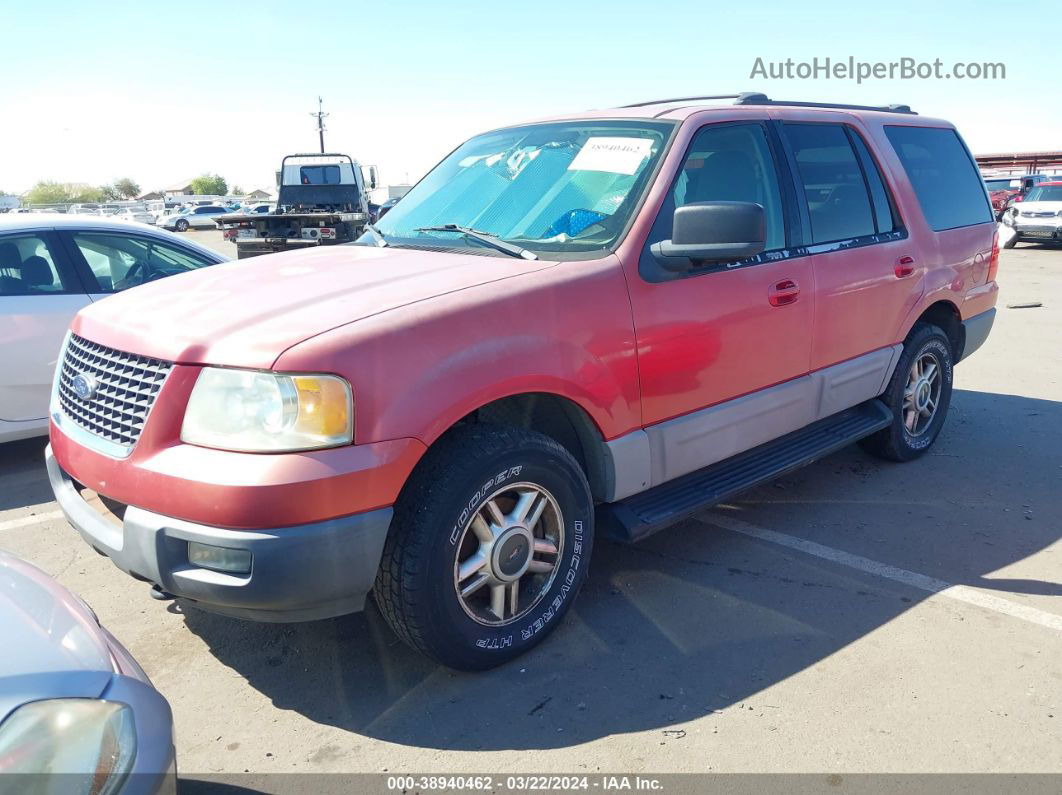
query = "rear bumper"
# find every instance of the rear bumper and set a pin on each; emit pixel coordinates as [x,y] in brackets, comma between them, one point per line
[298,573]
[976,330]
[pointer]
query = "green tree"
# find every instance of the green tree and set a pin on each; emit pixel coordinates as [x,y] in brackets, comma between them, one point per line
[126,188]
[45,192]
[84,193]
[210,185]
[109,193]
[237,190]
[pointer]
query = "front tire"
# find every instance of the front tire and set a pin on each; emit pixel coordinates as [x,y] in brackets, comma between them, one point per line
[1011,241]
[918,394]
[181,226]
[489,544]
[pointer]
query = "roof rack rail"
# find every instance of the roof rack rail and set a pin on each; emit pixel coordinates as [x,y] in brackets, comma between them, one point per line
[755,98]
[680,99]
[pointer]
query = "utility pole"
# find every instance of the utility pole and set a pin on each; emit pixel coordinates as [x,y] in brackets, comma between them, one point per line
[320,116]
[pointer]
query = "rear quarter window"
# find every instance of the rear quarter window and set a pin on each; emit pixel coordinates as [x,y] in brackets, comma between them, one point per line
[944,176]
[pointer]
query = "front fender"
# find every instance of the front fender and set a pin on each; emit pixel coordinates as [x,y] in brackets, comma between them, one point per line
[418,369]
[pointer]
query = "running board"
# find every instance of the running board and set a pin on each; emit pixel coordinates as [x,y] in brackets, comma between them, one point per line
[643,514]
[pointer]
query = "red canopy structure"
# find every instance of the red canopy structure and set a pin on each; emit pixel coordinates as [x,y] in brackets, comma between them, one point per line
[1032,162]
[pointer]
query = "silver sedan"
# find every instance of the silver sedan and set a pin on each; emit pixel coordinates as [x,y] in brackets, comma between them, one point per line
[201,217]
[77,713]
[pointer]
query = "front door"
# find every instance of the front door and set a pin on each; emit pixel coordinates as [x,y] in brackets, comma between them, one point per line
[713,342]
[38,299]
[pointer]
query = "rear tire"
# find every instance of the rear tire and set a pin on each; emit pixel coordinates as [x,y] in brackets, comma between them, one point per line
[917,396]
[471,538]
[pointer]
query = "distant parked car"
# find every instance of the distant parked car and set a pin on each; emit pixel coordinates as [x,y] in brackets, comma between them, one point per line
[259,208]
[201,217]
[133,214]
[77,713]
[1038,219]
[50,267]
[385,208]
[84,208]
[1007,191]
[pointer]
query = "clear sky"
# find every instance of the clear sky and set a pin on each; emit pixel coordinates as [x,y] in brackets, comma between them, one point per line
[163,91]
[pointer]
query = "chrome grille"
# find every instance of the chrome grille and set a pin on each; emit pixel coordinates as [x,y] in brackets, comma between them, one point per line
[126,386]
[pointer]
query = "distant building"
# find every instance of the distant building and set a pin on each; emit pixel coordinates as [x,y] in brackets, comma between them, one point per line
[260,194]
[153,195]
[179,189]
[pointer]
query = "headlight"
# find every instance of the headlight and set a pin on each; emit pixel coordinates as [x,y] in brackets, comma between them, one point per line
[260,412]
[95,739]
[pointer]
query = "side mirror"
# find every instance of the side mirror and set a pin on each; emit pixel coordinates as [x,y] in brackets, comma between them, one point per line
[372,177]
[712,232]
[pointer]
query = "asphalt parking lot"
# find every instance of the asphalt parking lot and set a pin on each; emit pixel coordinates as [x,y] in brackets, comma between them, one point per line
[857,616]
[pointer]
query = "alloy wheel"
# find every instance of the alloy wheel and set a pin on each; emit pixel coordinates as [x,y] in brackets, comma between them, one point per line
[922,393]
[508,554]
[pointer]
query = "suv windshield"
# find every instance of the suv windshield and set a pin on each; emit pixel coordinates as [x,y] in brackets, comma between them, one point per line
[1045,193]
[558,187]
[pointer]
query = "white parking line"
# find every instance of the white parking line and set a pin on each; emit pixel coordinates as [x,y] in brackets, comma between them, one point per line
[25,521]
[961,593]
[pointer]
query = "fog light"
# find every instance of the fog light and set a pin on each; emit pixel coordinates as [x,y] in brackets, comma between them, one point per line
[234,561]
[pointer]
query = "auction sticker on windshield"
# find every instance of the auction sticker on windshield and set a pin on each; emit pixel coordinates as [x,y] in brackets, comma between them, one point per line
[615,155]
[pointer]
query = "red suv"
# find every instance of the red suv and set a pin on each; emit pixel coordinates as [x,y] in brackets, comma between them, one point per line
[593,324]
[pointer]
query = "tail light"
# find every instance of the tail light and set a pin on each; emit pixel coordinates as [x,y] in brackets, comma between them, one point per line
[229,234]
[993,259]
[328,233]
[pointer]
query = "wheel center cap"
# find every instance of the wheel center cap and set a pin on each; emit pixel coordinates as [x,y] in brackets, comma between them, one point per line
[512,554]
[922,394]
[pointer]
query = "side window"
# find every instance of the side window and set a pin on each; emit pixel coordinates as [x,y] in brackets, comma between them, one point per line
[730,163]
[121,261]
[883,216]
[943,175]
[837,197]
[27,267]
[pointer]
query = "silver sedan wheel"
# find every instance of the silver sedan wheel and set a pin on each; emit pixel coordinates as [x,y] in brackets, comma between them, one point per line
[922,393]
[508,554]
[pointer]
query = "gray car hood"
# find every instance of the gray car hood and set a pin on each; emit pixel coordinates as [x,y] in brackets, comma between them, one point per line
[53,645]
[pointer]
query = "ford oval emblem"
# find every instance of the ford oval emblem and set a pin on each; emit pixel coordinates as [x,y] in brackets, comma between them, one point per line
[85,386]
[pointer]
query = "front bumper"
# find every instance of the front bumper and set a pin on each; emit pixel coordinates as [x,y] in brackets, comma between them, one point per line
[1037,229]
[298,573]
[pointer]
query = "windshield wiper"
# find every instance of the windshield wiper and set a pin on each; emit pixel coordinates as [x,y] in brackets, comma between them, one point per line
[377,236]
[486,238]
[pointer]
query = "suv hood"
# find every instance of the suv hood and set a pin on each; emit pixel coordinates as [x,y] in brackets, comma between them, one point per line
[246,313]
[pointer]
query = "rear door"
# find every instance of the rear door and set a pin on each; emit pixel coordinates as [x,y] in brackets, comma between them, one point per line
[867,276]
[39,295]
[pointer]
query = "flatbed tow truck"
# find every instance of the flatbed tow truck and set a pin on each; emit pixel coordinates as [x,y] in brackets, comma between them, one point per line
[322,200]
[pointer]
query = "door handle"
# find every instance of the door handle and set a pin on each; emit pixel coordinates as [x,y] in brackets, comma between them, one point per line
[783,293]
[904,267]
